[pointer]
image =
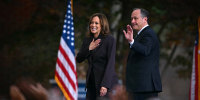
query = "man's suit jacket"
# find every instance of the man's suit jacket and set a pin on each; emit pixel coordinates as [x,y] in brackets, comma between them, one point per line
[101,61]
[142,73]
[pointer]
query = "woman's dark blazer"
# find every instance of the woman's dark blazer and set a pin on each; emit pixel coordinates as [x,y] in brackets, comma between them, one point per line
[101,60]
[142,73]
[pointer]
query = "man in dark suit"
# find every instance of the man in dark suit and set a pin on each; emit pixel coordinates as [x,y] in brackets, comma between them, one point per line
[142,73]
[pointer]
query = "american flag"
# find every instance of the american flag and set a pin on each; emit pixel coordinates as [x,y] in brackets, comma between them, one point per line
[65,73]
[195,78]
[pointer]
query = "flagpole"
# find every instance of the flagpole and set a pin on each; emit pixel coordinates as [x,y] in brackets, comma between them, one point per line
[72,6]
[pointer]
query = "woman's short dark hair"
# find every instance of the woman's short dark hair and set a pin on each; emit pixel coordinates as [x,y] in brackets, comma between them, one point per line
[105,30]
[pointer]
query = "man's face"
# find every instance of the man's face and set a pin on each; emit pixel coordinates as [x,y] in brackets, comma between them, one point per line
[137,21]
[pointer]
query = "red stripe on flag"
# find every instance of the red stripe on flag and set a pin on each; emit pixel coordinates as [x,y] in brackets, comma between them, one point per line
[198,59]
[67,59]
[195,84]
[196,73]
[63,85]
[66,74]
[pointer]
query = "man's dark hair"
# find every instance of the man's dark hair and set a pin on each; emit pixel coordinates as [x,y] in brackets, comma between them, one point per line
[144,12]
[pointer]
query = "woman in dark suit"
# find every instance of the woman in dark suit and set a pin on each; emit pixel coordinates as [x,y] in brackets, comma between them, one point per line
[99,49]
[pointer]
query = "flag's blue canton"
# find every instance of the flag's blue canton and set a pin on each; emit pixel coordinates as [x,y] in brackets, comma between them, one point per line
[68,28]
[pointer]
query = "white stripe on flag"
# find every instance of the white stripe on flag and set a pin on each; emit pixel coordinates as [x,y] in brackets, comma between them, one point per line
[66,82]
[66,65]
[68,52]
[193,80]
